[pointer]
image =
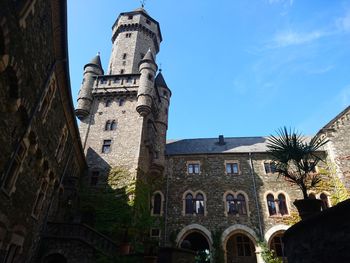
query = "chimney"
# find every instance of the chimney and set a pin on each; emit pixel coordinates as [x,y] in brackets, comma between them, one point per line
[221,140]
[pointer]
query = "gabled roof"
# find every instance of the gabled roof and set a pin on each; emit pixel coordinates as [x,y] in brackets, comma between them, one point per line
[335,119]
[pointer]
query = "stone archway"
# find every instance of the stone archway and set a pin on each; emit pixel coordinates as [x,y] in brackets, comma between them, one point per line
[55,258]
[240,245]
[196,238]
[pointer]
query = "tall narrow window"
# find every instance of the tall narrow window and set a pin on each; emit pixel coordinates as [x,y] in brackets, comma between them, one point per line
[108,125]
[241,204]
[106,147]
[14,169]
[124,56]
[199,203]
[113,125]
[324,200]
[230,205]
[189,204]
[108,103]
[157,204]
[39,202]
[121,102]
[282,204]
[271,204]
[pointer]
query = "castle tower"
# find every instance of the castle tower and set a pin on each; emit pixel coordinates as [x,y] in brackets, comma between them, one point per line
[124,113]
[133,34]
[91,70]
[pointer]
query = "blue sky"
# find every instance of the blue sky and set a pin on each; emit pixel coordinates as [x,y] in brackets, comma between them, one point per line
[237,68]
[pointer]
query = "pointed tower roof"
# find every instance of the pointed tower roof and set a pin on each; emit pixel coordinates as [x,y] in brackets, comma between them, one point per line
[160,82]
[148,58]
[95,61]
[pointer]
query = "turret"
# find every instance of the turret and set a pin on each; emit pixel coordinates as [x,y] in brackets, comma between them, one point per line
[148,69]
[164,94]
[91,70]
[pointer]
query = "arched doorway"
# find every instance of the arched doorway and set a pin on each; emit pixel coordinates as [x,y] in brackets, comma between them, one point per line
[198,242]
[276,244]
[55,258]
[240,249]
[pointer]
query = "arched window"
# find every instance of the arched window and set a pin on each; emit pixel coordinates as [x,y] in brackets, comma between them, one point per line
[230,205]
[282,204]
[113,125]
[108,125]
[271,204]
[312,196]
[199,204]
[324,200]
[241,204]
[189,204]
[157,204]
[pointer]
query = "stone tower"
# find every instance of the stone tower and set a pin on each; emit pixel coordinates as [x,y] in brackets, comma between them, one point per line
[124,114]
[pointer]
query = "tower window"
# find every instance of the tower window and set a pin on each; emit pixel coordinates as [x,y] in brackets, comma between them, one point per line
[108,103]
[113,125]
[124,56]
[108,125]
[150,77]
[124,63]
[106,147]
[122,71]
[121,102]
[130,17]
[127,35]
[148,21]
[128,80]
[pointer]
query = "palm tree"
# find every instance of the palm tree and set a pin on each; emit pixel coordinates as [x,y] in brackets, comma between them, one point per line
[296,158]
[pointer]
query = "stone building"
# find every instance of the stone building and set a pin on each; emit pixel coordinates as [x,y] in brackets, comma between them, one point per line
[207,191]
[211,192]
[41,156]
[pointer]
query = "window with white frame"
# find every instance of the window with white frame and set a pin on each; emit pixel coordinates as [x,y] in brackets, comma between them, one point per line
[232,167]
[277,204]
[193,168]
[270,167]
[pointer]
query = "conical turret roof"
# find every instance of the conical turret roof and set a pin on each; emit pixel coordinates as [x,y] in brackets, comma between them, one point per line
[160,82]
[96,60]
[149,56]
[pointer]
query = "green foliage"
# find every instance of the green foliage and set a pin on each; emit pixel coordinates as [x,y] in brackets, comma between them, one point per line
[121,207]
[219,252]
[332,184]
[295,158]
[292,219]
[268,255]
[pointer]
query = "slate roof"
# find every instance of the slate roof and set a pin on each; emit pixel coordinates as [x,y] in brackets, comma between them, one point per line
[160,82]
[212,146]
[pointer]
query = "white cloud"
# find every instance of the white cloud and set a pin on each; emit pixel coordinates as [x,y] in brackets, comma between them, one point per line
[320,70]
[290,38]
[343,23]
